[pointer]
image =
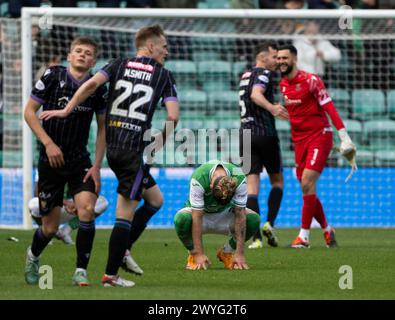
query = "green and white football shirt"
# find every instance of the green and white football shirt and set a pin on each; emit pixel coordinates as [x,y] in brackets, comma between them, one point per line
[200,193]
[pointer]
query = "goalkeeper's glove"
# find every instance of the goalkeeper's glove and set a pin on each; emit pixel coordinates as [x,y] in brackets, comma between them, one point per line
[348,150]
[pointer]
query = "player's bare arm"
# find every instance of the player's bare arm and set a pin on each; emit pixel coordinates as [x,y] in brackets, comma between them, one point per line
[173,114]
[202,261]
[94,171]
[240,232]
[86,90]
[277,110]
[55,155]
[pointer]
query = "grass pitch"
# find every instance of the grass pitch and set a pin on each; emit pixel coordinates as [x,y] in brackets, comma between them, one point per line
[276,273]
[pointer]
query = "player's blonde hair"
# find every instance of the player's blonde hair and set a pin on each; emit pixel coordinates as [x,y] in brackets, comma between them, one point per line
[224,188]
[146,33]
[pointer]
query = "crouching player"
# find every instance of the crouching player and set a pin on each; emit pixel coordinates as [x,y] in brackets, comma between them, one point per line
[68,216]
[217,205]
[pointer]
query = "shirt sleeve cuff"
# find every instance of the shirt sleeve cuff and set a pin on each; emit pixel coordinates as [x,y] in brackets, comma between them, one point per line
[37,99]
[170,99]
[104,73]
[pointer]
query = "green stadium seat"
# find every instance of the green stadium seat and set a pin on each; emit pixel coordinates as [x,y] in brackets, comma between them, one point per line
[12,158]
[193,101]
[230,123]
[368,104]
[215,75]
[391,103]
[4,8]
[380,134]
[365,158]
[354,129]
[284,134]
[288,158]
[199,56]
[193,124]
[342,100]
[202,5]
[218,4]
[238,68]
[184,72]
[86,4]
[385,158]
[225,103]
[100,63]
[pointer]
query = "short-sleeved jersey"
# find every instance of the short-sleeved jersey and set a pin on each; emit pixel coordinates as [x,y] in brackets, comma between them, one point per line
[53,91]
[259,120]
[200,193]
[136,86]
[304,97]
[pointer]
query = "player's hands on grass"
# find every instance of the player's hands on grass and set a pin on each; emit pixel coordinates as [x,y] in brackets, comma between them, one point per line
[202,262]
[49,114]
[239,262]
[280,112]
[94,173]
[55,155]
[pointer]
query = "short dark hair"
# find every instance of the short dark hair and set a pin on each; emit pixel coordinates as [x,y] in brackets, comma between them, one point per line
[147,33]
[85,41]
[289,47]
[264,47]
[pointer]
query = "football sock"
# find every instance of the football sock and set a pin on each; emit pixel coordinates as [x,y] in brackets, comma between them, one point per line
[74,223]
[118,244]
[140,220]
[40,241]
[320,215]
[84,242]
[304,234]
[274,201]
[183,226]
[308,210]
[252,203]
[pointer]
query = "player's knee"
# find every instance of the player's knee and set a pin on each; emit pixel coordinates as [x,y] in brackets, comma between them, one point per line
[182,219]
[50,230]
[278,185]
[156,203]
[86,213]
[307,186]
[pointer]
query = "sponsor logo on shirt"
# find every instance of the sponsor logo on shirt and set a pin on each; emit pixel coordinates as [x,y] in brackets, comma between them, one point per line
[263,78]
[140,66]
[246,75]
[40,85]
[292,101]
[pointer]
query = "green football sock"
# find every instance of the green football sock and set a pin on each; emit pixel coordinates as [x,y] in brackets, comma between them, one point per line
[183,226]
[74,223]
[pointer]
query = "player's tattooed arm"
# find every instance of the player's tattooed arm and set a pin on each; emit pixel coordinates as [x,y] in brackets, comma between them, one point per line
[202,261]
[240,231]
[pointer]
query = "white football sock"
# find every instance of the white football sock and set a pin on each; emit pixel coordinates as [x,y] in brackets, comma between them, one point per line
[304,234]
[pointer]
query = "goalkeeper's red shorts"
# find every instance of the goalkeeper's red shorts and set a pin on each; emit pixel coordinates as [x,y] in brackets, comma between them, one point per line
[312,153]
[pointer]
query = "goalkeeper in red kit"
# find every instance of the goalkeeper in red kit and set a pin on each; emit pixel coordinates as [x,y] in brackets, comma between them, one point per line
[307,102]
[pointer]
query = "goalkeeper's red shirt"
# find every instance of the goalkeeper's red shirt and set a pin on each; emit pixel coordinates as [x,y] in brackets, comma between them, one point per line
[307,100]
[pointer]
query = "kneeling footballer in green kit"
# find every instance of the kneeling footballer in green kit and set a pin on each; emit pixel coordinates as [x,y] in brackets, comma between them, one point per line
[217,205]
